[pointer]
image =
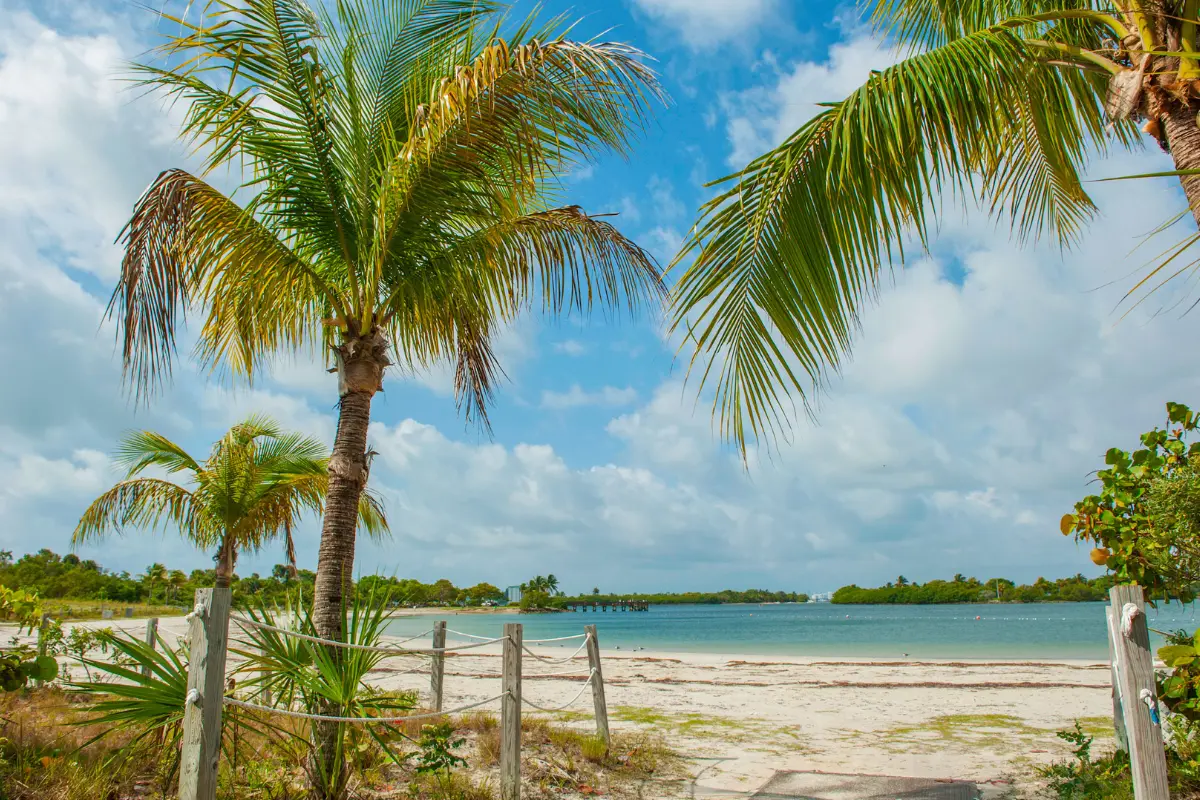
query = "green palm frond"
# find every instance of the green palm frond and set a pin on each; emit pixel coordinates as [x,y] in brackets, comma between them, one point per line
[146,696]
[147,503]
[372,519]
[142,449]
[375,139]
[185,243]
[792,248]
[934,23]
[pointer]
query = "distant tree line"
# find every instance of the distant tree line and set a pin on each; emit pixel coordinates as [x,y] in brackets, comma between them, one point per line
[971,590]
[696,598]
[53,576]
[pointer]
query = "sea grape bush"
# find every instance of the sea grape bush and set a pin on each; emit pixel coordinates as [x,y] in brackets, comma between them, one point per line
[1145,518]
[1181,689]
[21,664]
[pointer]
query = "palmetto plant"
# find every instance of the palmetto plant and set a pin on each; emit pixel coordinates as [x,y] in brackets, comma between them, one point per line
[397,160]
[999,100]
[255,486]
[295,672]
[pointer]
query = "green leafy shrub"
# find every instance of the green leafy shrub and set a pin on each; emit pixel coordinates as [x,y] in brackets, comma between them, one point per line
[1146,519]
[1081,778]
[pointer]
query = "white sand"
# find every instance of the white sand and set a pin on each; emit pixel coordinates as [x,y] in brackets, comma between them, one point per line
[975,720]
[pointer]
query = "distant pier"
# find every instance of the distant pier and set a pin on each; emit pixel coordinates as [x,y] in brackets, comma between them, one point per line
[615,605]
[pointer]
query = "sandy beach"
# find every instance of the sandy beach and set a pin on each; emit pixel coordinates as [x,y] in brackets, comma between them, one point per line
[743,718]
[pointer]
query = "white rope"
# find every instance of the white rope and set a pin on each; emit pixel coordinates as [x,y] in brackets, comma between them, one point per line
[556,660]
[467,635]
[414,638]
[283,712]
[559,639]
[569,703]
[370,648]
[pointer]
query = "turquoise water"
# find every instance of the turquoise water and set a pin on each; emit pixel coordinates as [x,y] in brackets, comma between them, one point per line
[1044,630]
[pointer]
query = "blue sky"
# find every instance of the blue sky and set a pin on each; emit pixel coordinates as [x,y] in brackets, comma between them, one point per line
[986,383]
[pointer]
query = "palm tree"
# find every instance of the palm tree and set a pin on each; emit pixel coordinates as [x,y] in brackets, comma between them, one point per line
[551,584]
[155,573]
[1002,100]
[397,159]
[254,487]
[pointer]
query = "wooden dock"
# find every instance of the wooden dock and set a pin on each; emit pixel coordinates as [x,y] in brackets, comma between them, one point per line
[615,605]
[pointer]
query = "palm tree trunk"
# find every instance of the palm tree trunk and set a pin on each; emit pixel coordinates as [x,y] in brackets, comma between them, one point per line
[224,571]
[1183,137]
[361,362]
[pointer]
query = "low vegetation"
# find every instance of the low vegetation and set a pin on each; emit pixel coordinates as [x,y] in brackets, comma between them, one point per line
[696,598]
[49,750]
[971,590]
[82,588]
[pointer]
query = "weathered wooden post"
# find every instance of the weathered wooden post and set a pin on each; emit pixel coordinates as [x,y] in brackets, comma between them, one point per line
[597,678]
[208,636]
[510,714]
[1114,627]
[438,668]
[1139,700]
[151,639]
[43,625]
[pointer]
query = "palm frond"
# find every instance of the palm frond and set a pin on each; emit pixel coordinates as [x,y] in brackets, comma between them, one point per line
[933,23]
[141,449]
[788,253]
[186,242]
[147,503]
[372,518]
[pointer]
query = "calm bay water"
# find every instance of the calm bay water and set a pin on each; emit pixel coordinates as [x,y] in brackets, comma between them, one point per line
[1043,630]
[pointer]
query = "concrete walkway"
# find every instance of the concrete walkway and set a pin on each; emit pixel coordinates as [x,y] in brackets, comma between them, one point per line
[789,785]
[824,786]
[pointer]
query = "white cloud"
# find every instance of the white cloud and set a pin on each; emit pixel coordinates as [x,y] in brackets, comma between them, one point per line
[707,22]
[570,347]
[74,149]
[662,196]
[576,397]
[761,118]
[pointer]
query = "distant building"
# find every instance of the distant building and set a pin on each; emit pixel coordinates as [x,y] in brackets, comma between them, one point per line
[820,597]
[513,593]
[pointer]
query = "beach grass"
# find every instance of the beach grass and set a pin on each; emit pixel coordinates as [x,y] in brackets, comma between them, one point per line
[69,610]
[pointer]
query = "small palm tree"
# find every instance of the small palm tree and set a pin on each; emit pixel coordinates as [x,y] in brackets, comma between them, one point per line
[154,575]
[256,484]
[1002,101]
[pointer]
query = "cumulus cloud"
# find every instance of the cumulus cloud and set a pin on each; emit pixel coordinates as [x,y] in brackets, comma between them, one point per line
[761,118]
[707,22]
[576,397]
[570,347]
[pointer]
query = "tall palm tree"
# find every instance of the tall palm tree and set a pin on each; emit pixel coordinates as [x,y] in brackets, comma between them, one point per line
[999,100]
[255,485]
[398,159]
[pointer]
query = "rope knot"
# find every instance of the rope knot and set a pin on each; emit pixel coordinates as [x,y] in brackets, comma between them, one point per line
[1129,613]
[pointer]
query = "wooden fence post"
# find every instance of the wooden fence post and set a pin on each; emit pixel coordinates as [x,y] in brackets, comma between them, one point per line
[1114,627]
[41,641]
[1135,674]
[510,714]
[151,639]
[597,678]
[437,669]
[208,636]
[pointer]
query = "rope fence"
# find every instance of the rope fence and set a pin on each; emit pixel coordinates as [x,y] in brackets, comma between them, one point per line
[244,621]
[208,642]
[285,712]
[586,685]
